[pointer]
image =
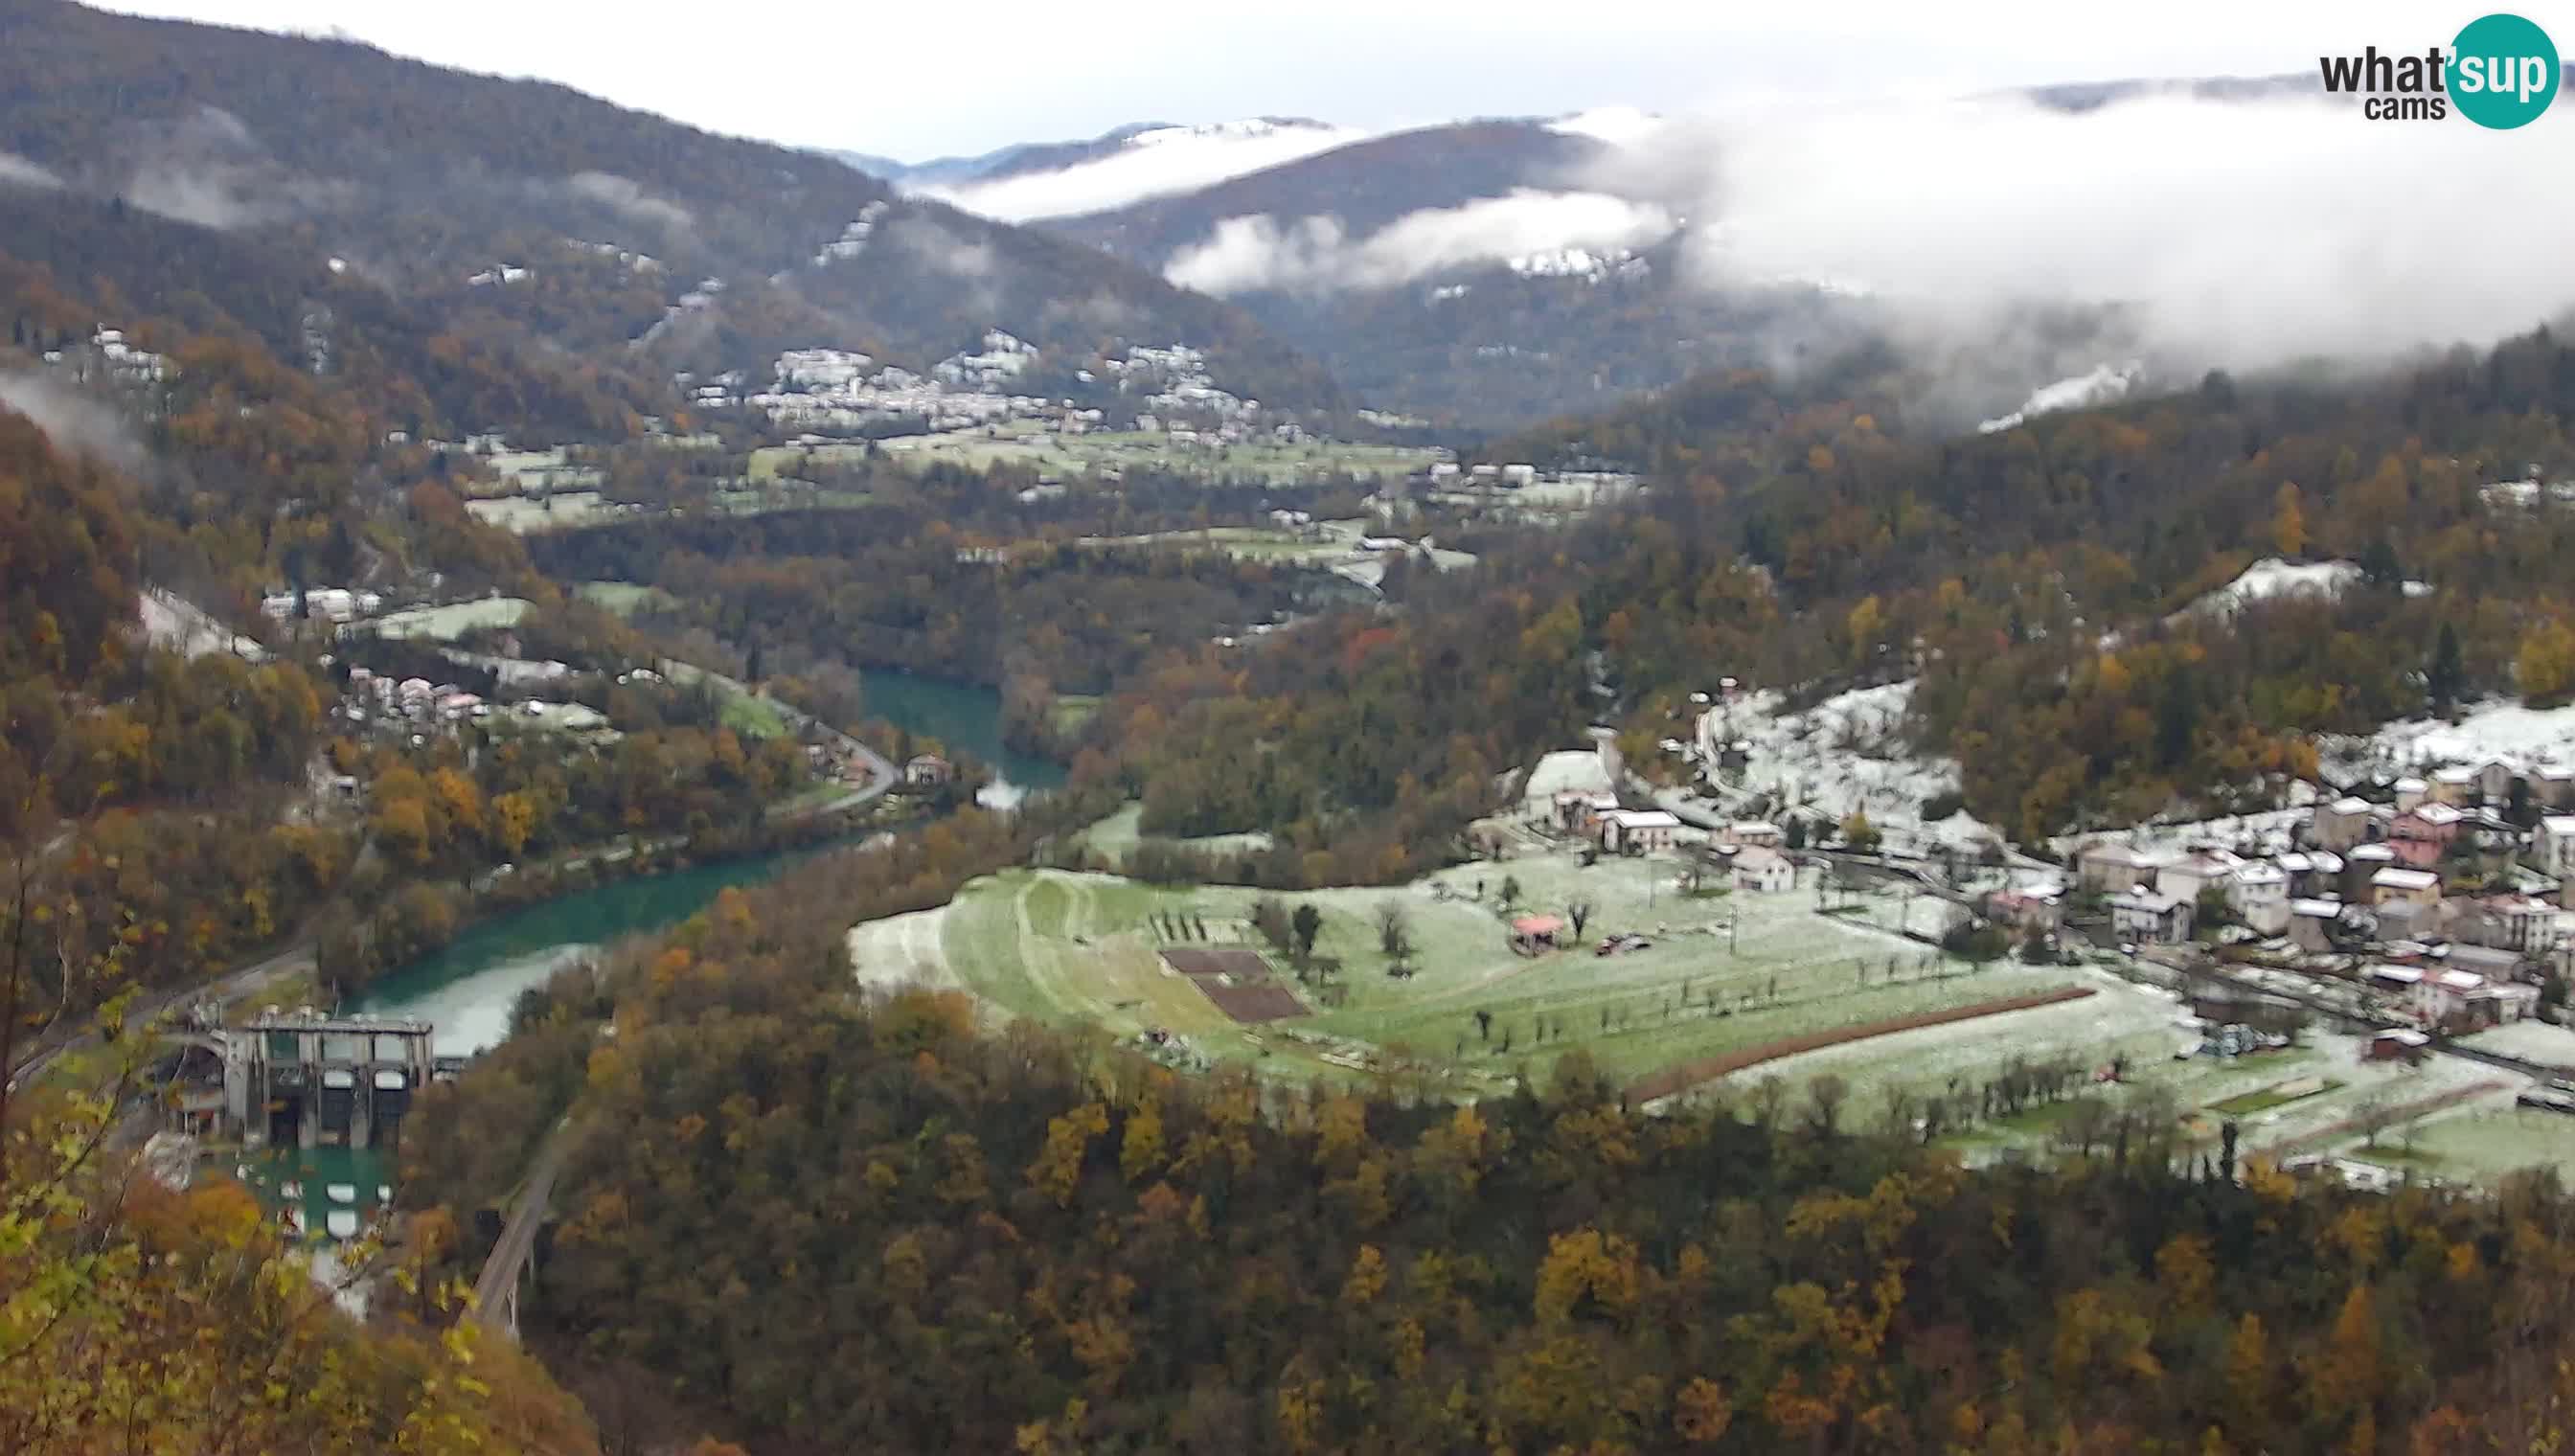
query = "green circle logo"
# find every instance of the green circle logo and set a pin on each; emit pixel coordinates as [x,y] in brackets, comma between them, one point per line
[2503,72]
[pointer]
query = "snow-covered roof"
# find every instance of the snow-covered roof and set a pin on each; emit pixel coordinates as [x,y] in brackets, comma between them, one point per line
[2411,785]
[2558,825]
[2440,815]
[2405,1038]
[1643,818]
[2348,805]
[2372,853]
[1573,769]
[2259,873]
[2456,773]
[2319,909]
[2395,878]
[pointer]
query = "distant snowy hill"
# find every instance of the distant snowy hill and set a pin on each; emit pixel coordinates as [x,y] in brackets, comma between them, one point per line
[2103,385]
[1118,168]
[1471,272]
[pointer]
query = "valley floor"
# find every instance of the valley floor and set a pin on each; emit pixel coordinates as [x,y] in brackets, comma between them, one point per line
[1727,975]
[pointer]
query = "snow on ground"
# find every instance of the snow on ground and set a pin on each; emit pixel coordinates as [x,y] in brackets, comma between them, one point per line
[902,950]
[2272,577]
[1846,753]
[1572,770]
[1928,1055]
[1150,164]
[2521,737]
[1620,126]
[2271,832]
[2104,384]
[2530,1040]
[176,624]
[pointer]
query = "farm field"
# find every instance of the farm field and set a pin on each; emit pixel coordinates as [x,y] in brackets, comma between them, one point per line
[562,510]
[1723,973]
[2481,1142]
[1335,546]
[1727,975]
[447,624]
[1024,444]
[624,598]
[1116,837]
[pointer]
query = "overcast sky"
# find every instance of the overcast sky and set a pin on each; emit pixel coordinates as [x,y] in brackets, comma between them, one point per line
[918,80]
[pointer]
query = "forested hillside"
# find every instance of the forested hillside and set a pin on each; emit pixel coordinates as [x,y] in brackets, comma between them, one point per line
[424,180]
[821,1219]
[2034,580]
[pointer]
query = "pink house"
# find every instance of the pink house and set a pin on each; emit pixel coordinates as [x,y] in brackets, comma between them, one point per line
[2423,834]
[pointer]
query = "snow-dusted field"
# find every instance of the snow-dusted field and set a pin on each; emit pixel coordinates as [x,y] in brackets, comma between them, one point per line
[2271,832]
[1846,753]
[903,950]
[2273,576]
[2118,1018]
[181,626]
[446,623]
[2502,729]
[2530,1040]
[2480,1143]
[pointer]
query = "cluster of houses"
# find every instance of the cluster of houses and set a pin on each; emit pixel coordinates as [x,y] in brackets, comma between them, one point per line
[2365,879]
[1748,855]
[418,705]
[328,604]
[110,358]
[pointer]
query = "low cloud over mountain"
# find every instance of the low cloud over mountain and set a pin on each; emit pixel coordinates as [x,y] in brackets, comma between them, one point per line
[1156,162]
[1246,254]
[2240,232]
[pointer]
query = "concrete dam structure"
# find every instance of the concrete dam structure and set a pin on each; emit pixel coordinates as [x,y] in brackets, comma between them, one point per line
[305,1079]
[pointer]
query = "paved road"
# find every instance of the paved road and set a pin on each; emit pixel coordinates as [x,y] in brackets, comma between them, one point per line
[519,1235]
[233,986]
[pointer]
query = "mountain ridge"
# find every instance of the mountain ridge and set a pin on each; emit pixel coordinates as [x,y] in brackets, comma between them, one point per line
[454,190]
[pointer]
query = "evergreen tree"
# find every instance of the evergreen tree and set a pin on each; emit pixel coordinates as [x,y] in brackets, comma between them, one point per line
[2178,721]
[2379,566]
[2448,674]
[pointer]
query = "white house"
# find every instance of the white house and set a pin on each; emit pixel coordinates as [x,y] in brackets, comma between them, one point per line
[2144,915]
[1637,831]
[2396,885]
[2339,824]
[1766,872]
[2553,784]
[2198,871]
[2453,997]
[2311,923]
[2259,895]
[2513,923]
[2553,844]
[2113,868]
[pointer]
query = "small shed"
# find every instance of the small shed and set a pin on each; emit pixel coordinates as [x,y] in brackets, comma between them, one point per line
[1534,934]
[2398,1046]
